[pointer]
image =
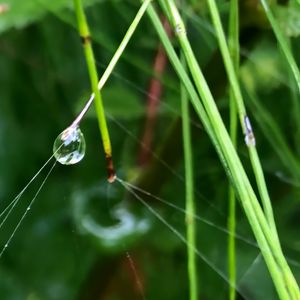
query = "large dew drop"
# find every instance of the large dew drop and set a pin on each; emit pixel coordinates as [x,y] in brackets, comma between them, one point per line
[69,146]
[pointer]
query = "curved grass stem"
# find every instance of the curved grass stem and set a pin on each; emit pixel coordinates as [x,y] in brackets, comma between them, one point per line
[115,59]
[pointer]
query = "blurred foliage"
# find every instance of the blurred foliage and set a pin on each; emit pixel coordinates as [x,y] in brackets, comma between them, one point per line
[26,12]
[289,18]
[75,240]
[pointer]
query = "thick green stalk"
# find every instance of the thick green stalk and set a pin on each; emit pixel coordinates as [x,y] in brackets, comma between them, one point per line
[90,60]
[233,44]
[228,154]
[189,194]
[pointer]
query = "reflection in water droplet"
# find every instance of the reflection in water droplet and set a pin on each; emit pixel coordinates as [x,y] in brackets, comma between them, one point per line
[69,146]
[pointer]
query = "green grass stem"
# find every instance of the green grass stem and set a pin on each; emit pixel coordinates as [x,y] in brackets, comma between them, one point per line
[229,66]
[255,161]
[215,118]
[189,188]
[233,44]
[189,195]
[117,55]
[124,43]
[229,158]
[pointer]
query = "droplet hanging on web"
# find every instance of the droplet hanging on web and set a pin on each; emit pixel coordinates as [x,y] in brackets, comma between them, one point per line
[69,146]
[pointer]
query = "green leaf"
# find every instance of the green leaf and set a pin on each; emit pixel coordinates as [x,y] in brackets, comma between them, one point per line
[263,70]
[289,18]
[22,13]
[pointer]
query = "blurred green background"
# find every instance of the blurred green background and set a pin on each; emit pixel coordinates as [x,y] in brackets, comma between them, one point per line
[86,239]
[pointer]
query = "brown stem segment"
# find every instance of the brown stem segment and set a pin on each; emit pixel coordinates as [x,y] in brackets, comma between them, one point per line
[85,39]
[111,174]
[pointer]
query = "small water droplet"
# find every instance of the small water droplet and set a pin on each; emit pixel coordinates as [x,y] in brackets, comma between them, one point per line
[28,208]
[6,245]
[69,146]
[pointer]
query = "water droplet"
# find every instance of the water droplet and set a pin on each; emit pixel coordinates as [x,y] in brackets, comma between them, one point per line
[69,146]
[6,245]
